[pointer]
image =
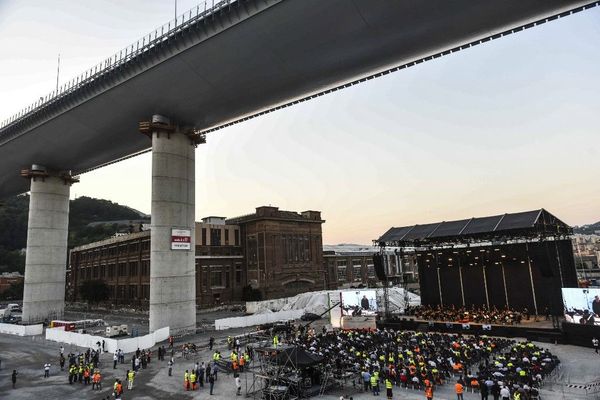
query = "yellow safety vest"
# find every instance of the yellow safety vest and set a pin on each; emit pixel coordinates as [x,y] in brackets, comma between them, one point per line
[388,384]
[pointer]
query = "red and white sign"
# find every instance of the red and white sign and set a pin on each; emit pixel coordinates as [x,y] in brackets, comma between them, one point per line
[181,239]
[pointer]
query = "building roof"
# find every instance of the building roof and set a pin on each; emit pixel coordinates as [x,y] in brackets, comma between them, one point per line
[526,223]
[274,213]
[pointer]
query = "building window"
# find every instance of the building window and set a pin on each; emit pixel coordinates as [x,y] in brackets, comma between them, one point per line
[103,271]
[111,271]
[236,234]
[145,295]
[216,276]
[203,236]
[145,268]
[133,248]
[133,292]
[238,273]
[133,268]
[252,250]
[215,237]
[146,245]
[227,278]
[370,270]
[357,273]
[95,271]
[122,269]
[226,237]
[121,291]
[341,272]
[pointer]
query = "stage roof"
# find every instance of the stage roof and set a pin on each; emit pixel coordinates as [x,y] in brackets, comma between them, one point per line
[504,226]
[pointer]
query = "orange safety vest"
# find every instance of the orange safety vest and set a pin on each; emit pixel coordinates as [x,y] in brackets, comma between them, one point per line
[459,388]
[429,391]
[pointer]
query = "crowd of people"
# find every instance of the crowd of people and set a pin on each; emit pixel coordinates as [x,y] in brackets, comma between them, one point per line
[425,361]
[472,314]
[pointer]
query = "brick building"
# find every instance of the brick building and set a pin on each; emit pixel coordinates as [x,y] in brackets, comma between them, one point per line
[352,265]
[284,251]
[7,279]
[277,252]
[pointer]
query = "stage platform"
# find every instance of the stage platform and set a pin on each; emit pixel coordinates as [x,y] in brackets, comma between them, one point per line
[541,330]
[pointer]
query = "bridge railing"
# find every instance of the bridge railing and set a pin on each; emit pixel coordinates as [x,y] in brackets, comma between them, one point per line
[157,36]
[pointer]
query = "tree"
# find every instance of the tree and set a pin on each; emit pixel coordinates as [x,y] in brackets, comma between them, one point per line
[94,291]
[14,292]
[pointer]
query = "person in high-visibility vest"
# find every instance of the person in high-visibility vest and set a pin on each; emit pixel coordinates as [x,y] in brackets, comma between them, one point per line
[429,391]
[242,362]
[388,388]
[193,379]
[374,385]
[186,380]
[459,389]
[130,376]
[275,341]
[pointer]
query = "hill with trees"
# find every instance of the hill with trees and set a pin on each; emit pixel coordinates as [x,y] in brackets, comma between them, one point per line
[84,215]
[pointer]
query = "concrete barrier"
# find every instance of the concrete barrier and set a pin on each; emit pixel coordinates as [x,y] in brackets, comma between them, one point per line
[257,319]
[128,345]
[22,330]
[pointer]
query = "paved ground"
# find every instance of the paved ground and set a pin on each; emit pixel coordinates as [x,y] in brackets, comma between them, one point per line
[28,355]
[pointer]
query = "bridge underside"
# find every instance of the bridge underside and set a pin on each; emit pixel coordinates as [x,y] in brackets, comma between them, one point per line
[251,57]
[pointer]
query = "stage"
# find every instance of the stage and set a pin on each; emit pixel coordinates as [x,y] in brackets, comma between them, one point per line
[541,330]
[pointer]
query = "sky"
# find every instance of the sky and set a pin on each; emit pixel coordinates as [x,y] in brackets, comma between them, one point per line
[507,126]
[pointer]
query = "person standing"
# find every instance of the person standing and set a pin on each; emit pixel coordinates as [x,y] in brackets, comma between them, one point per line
[374,385]
[429,391]
[389,388]
[186,380]
[115,359]
[211,381]
[61,362]
[201,374]
[13,378]
[596,305]
[459,389]
[193,379]
[238,385]
[366,376]
[47,370]
[130,377]
[595,343]
[171,366]
[505,393]
[484,390]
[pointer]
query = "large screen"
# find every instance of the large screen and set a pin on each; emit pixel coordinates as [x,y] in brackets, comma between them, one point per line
[582,306]
[360,302]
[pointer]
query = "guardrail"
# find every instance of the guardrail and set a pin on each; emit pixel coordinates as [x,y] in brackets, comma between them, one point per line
[142,45]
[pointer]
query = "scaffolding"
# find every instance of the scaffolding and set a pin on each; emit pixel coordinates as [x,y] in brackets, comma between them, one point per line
[272,369]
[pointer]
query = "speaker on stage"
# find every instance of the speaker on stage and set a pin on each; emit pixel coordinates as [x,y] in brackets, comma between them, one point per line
[379,267]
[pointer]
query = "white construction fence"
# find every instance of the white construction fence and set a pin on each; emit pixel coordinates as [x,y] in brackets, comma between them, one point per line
[128,345]
[257,319]
[22,330]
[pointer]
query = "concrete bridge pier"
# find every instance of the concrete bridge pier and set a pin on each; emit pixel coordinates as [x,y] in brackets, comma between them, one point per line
[172,239]
[47,234]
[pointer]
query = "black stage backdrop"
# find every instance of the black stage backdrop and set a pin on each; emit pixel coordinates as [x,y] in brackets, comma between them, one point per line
[527,268]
